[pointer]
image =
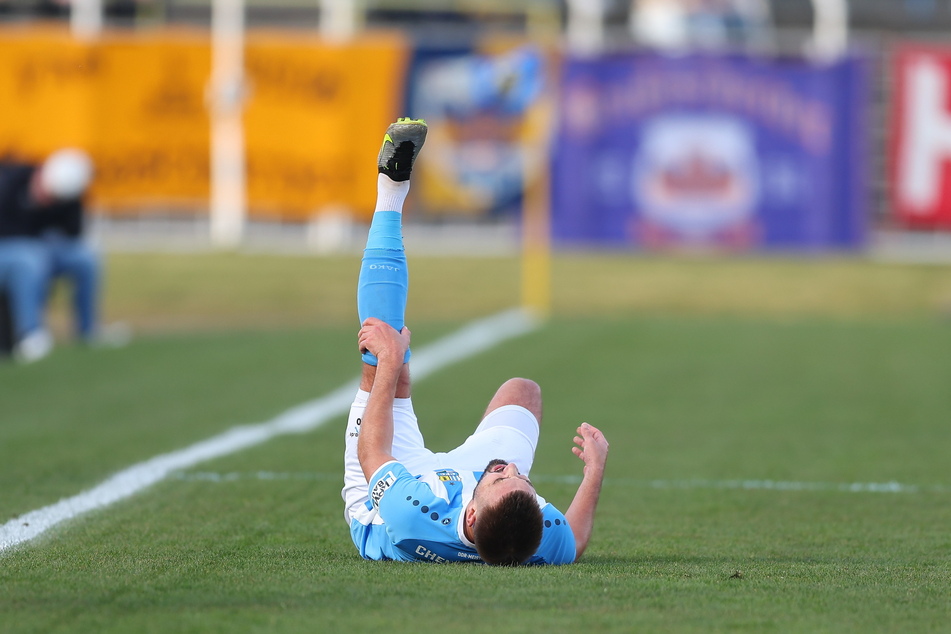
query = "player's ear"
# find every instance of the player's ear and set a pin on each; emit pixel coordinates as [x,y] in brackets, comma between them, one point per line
[470,518]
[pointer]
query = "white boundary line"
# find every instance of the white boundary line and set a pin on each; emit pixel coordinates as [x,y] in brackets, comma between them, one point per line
[574,480]
[472,339]
[763,485]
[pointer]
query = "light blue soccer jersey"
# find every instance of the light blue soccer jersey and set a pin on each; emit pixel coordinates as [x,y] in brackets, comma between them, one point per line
[419,518]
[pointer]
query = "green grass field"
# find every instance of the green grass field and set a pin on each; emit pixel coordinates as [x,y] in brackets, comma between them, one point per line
[756,409]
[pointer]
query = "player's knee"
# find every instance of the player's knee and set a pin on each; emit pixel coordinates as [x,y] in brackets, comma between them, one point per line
[524,392]
[526,388]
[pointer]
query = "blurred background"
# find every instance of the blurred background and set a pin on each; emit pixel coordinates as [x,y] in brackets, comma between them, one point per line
[726,126]
[650,123]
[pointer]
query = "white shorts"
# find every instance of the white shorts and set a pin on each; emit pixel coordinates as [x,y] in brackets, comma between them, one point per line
[508,433]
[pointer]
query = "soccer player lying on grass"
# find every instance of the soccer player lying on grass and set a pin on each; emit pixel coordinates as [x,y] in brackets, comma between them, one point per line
[476,502]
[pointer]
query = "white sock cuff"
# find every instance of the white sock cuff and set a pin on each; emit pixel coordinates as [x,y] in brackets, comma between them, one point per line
[390,195]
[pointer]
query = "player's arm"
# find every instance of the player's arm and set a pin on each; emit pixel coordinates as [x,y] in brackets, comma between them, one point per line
[592,448]
[375,446]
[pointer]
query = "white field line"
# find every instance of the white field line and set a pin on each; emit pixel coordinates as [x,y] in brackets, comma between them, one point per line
[765,485]
[472,339]
[747,485]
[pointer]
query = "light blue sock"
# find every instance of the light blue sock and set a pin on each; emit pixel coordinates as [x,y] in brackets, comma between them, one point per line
[384,278]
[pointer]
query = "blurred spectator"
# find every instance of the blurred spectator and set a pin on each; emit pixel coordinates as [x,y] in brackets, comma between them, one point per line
[52,8]
[23,271]
[676,25]
[660,24]
[41,239]
[921,9]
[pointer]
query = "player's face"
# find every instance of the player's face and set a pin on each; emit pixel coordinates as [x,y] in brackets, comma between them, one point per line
[501,478]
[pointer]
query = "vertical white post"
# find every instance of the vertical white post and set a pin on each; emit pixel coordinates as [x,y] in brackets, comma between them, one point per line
[227,89]
[85,18]
[586,26]
[830,36]
[338,19]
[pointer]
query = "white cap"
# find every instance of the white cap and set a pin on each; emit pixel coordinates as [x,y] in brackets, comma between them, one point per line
[66,174]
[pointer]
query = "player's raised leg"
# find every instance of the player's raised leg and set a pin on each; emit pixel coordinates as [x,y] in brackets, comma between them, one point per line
[384,279]
[381,291]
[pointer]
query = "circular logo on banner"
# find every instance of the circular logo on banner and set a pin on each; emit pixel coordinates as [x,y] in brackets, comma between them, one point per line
[696,175]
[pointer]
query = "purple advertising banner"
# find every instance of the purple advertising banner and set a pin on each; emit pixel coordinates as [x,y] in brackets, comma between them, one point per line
[726,151]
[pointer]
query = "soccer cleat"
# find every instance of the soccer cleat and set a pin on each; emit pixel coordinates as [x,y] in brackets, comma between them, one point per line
[401,144]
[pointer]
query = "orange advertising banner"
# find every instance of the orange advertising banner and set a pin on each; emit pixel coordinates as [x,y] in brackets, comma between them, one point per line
[137,104]
[314,120]
[151,124]
[47,88]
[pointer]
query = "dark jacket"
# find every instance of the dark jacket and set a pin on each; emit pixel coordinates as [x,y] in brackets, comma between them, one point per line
[20,216]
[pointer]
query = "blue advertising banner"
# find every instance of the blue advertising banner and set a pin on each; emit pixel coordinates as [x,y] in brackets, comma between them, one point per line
[724,151]
[481,107]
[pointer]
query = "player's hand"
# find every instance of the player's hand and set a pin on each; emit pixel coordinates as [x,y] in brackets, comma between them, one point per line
[592,449]
[382,340]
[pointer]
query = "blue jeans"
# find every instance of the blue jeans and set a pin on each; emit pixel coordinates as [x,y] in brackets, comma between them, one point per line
[25,269]
[73,259]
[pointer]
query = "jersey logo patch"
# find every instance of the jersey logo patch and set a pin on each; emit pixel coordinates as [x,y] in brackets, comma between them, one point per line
[380,488]
[448,475]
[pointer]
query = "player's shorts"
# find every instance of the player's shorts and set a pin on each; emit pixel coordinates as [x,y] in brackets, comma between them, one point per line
[508,433]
